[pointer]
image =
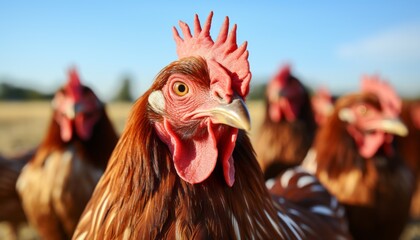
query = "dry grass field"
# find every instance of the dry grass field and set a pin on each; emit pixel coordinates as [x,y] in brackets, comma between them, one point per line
[23,125]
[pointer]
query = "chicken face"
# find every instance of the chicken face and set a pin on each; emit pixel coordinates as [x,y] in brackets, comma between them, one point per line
[374,117]
[369,126]
[198,125]
[202,101]
[285,96]
[77,109]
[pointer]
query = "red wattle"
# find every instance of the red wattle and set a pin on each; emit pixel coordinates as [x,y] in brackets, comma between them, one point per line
[194,159]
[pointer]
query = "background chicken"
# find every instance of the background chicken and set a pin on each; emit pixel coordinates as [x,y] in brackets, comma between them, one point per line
[356,161]
[184,167]
[288,129]
[410,148]
[57,183]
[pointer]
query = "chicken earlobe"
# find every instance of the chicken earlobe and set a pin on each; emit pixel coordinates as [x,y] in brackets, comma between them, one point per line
[157,101]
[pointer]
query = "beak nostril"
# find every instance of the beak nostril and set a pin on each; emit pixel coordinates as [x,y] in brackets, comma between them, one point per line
[217,94]
[222,97]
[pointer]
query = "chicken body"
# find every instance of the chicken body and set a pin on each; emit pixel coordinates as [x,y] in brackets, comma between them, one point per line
[57,183]
[357,163]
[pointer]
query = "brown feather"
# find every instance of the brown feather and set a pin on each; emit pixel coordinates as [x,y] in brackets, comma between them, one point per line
[11,210]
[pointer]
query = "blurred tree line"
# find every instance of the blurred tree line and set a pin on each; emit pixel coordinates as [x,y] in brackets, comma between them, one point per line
[124,94]
[10,92]
[257,91]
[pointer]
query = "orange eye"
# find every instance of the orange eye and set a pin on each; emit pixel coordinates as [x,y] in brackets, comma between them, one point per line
[363,110]
[180,88]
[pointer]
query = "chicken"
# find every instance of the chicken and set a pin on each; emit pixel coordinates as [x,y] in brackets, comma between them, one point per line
[184,167]
[408,146]
[289,115]
[57,183]
[356,161]
[11,210]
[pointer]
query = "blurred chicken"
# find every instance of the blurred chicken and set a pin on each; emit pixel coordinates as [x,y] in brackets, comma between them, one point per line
[356,161]
[57,183]
[184,167]
[409,147]
[288,129]
[11,210]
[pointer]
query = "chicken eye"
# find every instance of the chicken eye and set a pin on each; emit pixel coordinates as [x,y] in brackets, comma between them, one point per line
[180,88]
[363,110]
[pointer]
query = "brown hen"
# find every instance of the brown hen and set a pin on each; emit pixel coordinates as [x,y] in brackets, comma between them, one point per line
[57,183]
[288,129]
[184,167]
[356,161]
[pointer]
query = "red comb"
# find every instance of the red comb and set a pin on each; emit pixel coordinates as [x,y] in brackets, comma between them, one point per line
[283,75]
[223,56]
[73,86]
[390,101]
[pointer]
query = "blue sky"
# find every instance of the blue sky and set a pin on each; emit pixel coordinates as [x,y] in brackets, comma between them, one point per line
[328,43]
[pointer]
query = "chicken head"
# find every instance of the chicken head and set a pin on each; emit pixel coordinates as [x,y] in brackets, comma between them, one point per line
[373,118]
[285,96]
[77,109]
[201,103]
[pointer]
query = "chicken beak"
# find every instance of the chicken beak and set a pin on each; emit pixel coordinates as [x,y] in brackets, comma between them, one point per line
[393,126]
[234,114]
